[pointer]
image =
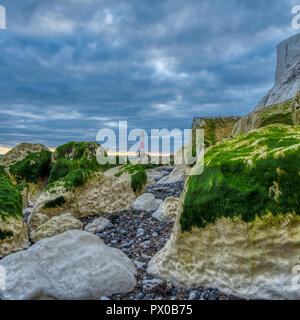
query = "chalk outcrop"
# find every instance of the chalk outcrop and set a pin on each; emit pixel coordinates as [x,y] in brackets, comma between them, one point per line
[83,194]
[287,78]
[28,165]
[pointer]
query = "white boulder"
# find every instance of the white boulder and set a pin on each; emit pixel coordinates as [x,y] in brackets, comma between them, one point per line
[147,203]
[70,266]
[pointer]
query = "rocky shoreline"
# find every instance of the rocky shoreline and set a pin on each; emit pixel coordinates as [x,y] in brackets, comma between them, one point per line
[140,237]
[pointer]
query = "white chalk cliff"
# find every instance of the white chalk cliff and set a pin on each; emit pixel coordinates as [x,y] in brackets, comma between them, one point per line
[287,77]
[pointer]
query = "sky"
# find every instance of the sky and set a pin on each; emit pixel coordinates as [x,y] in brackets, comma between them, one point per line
[72,67]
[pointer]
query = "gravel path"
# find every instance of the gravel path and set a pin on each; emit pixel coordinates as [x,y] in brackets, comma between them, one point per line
[140,237]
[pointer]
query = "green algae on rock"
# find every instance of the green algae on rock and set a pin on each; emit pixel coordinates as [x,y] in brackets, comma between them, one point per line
[58,202]
[3,172]
[137,173]
[279,113]
[76,155]
[32,168]
[13,230]
[11,204]
[84,193]
[215,128]
[248,176]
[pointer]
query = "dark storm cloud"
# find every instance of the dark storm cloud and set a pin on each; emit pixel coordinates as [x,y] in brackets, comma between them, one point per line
[69,68]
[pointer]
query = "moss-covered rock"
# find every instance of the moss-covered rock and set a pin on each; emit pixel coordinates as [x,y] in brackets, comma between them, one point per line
[280,113]
[77,151]
[3,173]
[85,193]
[27,165]
[20,152]
[10,200]
[13,231]
[76,155]
[62,168]
[215,128]
[31,169]
[245,177]
[239,229]
[137,173]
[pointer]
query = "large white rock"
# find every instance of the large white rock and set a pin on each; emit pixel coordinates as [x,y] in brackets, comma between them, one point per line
[54,226]
[147,203]
[287,79]
[72,265]
[236,257]
[168,210]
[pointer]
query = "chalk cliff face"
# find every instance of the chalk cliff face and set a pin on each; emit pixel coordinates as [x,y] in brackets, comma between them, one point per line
[287,78]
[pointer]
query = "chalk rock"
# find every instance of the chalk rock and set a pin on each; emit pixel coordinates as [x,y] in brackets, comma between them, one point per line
[287,78]
[147,203]
[96,194]
[70,266]
[168,210]
[54,226]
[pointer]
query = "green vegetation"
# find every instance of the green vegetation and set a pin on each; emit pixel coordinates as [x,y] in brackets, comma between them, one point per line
[58,202]
[76,155]
[22,186]
[74,179]
[277,113]
[72,150]
[211,126]
[34,166]
[209,134]
[138,175]
[5,235]
[3,173]
[11,204]
[62,168]
[245,177]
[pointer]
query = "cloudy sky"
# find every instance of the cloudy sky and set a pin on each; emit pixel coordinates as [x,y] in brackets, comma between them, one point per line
[71,67]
